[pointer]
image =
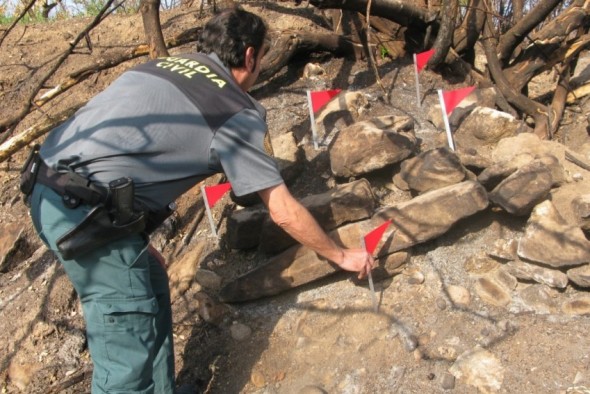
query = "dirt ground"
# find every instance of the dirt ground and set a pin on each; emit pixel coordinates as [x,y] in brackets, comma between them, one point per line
[323,337]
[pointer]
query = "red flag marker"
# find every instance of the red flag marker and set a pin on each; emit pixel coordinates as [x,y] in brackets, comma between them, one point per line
[317,100]
[454,97]
[372,239]
[214,193]
[420,59]
[320,98]
[448,102]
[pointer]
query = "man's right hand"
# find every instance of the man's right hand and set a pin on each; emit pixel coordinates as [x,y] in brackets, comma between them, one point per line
[357,260]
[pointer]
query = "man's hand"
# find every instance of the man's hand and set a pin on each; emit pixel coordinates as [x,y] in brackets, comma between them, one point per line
[357,260]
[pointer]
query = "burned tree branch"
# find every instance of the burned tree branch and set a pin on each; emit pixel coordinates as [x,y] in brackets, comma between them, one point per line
[405,13]
[17,19]
[513,37]
[286,44]
[548,46]
[7,124]
[539,112]
[444,38]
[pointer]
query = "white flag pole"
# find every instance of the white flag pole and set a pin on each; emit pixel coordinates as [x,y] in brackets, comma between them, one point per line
[314,135]
[443,108]
[209,215]
[371,286]
[417,81]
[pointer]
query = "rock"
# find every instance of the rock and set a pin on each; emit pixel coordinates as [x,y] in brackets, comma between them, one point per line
[288,154]
[505,249]
[390,139]
[432,169]
[240,331]
[550,241]
[310,389]
[313,70]
[474,161]
[477,98]
[480,264]
[181,273]
[547,276]
[244,227]
[345,203]
[496,173]
[539,299]
[210,310]
[579,305]
[495,288]
[580,275]
[479,368]
[444,207]
[208,279]
[342,111]
[447,381]
[257,379]
[459,295]
[581,209]
[484,127]
[523,189]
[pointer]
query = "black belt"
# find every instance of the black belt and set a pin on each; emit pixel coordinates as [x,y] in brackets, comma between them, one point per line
[74,188]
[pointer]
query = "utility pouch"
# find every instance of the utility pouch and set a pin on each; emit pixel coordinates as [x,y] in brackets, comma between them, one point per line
[97,229]
[29,171]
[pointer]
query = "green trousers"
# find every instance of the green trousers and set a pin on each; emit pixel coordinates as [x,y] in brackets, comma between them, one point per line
[125,299]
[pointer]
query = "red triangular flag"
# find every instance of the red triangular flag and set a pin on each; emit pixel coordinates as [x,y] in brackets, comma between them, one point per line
[372,239]
[422,58]
[214,193]
[454,97]
[321,98]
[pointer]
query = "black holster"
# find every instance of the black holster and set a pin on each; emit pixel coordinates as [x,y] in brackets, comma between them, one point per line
[104,223]
[97,229]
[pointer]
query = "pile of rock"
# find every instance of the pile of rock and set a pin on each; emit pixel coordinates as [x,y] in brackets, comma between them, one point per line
[497,165]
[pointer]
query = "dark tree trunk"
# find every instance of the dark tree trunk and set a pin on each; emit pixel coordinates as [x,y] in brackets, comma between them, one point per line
[150,13]
[444,38]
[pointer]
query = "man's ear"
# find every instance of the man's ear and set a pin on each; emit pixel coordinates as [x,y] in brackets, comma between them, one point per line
[250,61]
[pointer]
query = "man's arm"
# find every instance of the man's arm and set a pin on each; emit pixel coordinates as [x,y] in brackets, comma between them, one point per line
[295,219]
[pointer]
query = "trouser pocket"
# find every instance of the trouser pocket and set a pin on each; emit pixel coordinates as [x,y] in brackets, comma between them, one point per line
[121,339]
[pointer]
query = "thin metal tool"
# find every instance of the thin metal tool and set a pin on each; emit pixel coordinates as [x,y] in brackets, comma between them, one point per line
[371,286]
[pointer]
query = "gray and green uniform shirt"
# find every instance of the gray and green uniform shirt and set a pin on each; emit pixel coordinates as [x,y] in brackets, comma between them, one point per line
[168,124]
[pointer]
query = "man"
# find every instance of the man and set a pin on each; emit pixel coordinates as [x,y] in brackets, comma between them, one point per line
[158,130]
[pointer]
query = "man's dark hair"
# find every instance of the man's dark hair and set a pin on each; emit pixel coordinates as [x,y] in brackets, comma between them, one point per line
[230,33]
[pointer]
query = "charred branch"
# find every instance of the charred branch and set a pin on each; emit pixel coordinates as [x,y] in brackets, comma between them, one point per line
[513,37]
[405,13]
[548,46]
[444,38]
